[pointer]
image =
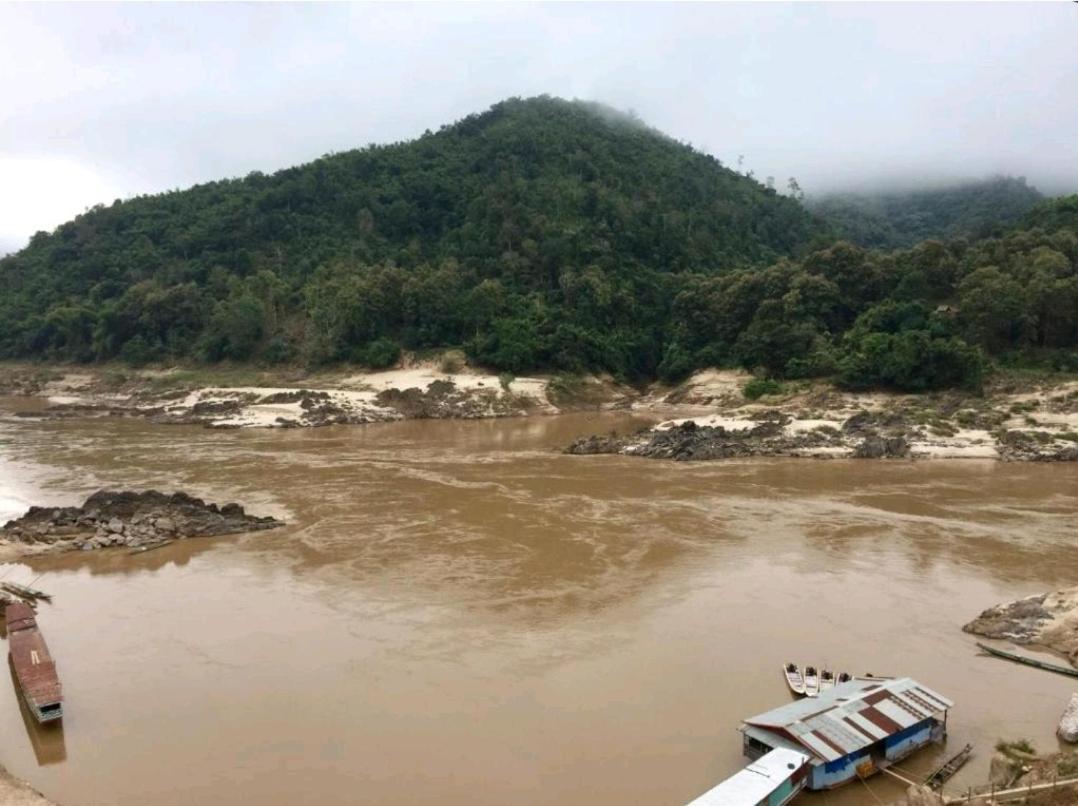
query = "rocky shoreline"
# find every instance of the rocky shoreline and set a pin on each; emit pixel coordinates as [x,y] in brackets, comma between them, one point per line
[1036,424]
[252,399]
[1048,620]
[130,519]
[1017,418]
[773,433]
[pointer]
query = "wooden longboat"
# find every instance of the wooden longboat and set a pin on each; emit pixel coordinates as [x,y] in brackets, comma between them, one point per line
[794,679]
[1038,664]
[827,680]
[35,670]
[949,768]
[24,592]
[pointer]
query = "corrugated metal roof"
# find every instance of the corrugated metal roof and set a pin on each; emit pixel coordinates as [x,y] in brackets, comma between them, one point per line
[851,715]
[754,783]
[770,739]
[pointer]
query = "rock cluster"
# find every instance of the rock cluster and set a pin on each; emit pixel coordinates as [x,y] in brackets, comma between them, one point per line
[1048,619]
[874,446]
[110,518]
[689,442]
[1033,446]
[444,400]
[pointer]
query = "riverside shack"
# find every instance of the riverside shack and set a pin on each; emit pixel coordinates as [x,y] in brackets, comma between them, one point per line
[852,730]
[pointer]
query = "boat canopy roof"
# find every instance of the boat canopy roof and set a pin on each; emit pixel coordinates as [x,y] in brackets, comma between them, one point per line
[852,716]
[755,782]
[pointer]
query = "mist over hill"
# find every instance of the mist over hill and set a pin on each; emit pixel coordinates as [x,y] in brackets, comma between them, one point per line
[894,218]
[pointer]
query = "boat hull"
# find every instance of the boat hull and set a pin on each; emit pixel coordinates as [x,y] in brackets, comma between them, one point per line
[35,670]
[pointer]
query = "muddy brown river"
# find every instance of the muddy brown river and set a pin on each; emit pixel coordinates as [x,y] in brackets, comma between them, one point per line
[457,613]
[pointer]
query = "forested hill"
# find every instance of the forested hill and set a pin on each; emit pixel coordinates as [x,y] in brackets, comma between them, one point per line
[893,220]
[551,235]
[557,219]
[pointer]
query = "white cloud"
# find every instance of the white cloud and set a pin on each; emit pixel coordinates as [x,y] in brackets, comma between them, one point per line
[37,193]
[132,98]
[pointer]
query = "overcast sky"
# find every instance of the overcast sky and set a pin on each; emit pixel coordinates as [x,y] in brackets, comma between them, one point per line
[99,102]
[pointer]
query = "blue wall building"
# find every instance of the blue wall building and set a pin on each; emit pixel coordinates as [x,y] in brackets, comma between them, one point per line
[852,730]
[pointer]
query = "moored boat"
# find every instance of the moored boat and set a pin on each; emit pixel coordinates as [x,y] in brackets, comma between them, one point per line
[812,681]
[794,678]
[827,679]
[24,592]
[35,670]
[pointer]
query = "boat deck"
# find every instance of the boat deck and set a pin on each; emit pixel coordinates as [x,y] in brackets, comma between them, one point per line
[34,667]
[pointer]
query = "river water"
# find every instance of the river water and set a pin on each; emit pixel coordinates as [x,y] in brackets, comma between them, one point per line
[457,613]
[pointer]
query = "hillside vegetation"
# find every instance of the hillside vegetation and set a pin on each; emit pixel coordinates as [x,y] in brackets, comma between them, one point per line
[894,220]
[541,235]
[922,318]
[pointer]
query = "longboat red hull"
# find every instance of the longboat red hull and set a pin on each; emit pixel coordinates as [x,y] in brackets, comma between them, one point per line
[34,667]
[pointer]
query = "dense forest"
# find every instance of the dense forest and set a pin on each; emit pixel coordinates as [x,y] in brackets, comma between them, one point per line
[901,219]
[543,235]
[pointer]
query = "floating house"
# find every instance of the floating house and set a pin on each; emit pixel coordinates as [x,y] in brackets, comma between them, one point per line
[773,779]
[852,730]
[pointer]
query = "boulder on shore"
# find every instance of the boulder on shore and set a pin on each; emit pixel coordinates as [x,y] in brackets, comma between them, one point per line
[874,446]
[1068,723]
[115,518]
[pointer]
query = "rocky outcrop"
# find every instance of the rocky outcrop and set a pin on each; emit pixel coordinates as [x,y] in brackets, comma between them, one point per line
[874,446]
[689,442]
[1033,446]
[443,400]
[1068,723]
[1048,619]
[597,444]
[111,518]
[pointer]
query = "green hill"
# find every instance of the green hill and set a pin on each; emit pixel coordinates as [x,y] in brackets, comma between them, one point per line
[893,220]
[539,233]
[553,235]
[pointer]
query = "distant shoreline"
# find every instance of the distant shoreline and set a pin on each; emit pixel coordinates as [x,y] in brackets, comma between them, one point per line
[1018,417]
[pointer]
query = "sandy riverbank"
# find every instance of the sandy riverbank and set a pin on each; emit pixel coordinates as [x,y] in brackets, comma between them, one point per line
[1014,419]
[244,397]
[14,792]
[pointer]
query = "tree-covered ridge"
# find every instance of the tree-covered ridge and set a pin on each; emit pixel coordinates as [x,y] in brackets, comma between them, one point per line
[535,208]
[895,220]
[922,318]
[540,235]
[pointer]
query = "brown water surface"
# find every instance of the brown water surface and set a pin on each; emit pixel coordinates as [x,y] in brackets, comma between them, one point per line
[458,613]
